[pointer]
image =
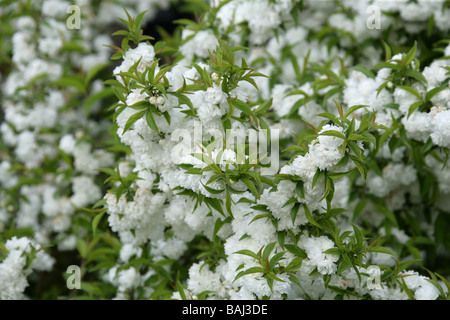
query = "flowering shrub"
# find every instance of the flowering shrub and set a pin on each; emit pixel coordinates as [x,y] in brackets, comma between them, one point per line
[54,131]
[266,150]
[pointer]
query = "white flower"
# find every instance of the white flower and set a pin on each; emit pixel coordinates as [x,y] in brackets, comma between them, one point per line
[13,274]
[85,191]
[136,96]
[200,45]
[128,250]
[144,53]
[160,100]
[423,290]
[67,144]
[128,279]
[441,128]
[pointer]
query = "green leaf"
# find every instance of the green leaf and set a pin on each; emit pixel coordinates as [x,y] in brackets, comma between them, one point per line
[294,212]
[353,109]
[295,280]
[300,189]
[296,250]
[380,249]
[242,106]
[96,221]
[417,76]
[124,33]
[264,107]
[180,287]
[360,166]
[71,82]
[249,253]
[414,107]
[359,237]
[330,116]
[344,265]
[337,175]
[360,137]
[251,187]
[108,171]
[333,133]
[72,46]
[102,94]
[216,204]
[310,217]
[99,203]
[317,177]
[411,54]
[139,19]
[162,72]
[276,258]
[186,22]
[331,93]
[385,136]
[406,264]
[430,94]
[272,276]
[249,271]
[182,99]
[94,71]
[408,291]
[228,203]
[3,248]
[388,214]
[132,120]
[333,251]
[149,118]
[212,190]
[388,65]
[364,70]
[383,86]
[267,250]
[151,71]
[347,259]
[115,83]
[359,208]
[413,91]
[387,50]
[141,105]
[82,247]
[295,264]
[445,281]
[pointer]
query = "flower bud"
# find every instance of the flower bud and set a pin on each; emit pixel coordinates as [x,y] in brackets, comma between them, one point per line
[160,100]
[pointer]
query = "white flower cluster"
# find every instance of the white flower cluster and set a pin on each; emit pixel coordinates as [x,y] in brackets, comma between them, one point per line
[396,181]
[434,123]
[36,113]
[359,143]
[23,256]
[49,128]
[171,207]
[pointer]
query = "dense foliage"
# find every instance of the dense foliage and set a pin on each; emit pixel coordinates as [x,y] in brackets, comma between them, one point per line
[261,150]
